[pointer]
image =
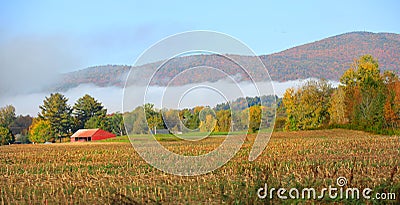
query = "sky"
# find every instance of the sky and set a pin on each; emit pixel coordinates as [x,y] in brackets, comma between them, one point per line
[87,33]
[39,39]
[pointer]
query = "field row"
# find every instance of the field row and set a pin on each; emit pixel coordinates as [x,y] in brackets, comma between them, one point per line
[113,173]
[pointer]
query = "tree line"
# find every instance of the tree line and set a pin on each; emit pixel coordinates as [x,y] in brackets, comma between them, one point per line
[366,100]
[239,115]
[58,120]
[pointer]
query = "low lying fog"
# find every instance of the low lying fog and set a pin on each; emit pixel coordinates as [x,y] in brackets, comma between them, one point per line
[112,97]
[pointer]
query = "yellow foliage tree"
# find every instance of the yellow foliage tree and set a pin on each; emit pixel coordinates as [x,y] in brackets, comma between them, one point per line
[223,121]
[337,110]
[208,124]
[255,118]
[40,131]
[307,107]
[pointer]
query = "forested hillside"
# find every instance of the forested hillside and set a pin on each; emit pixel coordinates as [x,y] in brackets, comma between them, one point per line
[327,58]
[330,57]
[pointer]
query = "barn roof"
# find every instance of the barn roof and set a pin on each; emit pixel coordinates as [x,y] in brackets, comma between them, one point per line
[85,133]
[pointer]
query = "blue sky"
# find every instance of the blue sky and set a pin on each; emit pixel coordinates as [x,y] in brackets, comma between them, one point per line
[78,34]
[39,39]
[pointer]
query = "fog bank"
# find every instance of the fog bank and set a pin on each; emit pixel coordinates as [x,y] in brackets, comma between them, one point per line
[112,97]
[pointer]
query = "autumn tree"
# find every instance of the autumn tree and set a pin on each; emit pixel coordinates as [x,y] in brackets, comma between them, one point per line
[6,136]
[135,121]
[190,118]
[207,119]
[153,118]
[223,121]
[364,91]
[7,116]
[172,120]
[208,123]
[239,120]
[367,99]
[280,119]
[290,103]
[307,107]
[85,108]
[117,124]
[350,89]
[369,112]
[41,131]
[338,107]
[392,104]
[56,110]
[254,113]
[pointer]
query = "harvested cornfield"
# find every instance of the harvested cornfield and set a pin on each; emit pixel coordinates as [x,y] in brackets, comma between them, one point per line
[113,173]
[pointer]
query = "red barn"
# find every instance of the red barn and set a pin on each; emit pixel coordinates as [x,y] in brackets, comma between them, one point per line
[84,135]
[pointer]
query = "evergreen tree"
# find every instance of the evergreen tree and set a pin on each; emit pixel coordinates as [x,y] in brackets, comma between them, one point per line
[56,110]
[85,108]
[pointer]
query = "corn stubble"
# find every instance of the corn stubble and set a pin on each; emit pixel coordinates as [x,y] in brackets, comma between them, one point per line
[113,173]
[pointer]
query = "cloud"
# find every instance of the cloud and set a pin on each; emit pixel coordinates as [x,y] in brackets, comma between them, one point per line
[28,63]
[206,93]
[111,97]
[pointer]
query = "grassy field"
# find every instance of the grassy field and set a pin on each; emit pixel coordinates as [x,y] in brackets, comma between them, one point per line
[112,172]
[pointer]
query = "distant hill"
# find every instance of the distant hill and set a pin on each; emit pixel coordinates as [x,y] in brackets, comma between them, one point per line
[330,57]
[103,76]
[327,58]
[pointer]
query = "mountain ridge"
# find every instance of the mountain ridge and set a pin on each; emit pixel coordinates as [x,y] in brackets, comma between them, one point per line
[325,58]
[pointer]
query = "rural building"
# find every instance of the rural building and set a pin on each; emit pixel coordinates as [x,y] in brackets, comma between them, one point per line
[84,135]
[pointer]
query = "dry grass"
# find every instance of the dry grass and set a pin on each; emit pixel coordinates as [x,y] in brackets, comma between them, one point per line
[112,173]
